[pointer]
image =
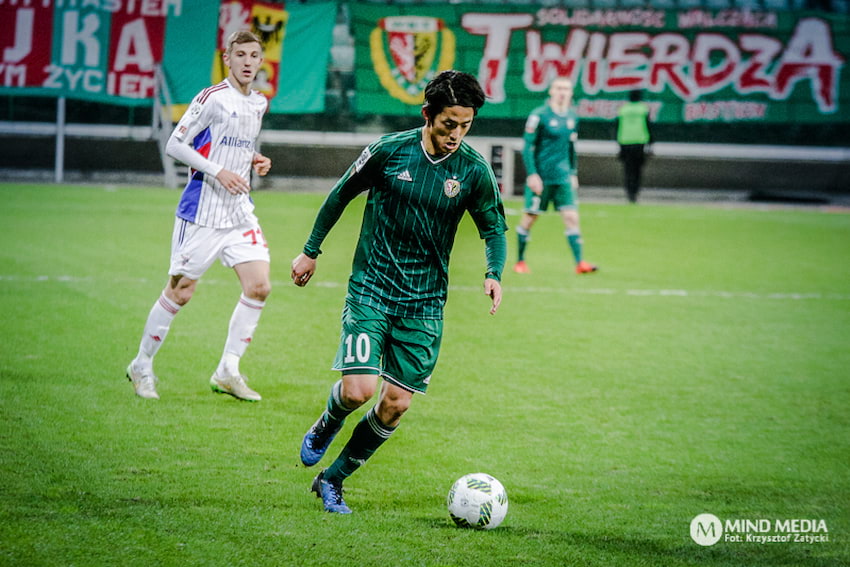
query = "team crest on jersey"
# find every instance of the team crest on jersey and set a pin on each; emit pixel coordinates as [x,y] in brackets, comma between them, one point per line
[409,51]
[451,187]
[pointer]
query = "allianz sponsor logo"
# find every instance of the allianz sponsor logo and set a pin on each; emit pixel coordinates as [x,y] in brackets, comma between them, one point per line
[235,142]
[708,529]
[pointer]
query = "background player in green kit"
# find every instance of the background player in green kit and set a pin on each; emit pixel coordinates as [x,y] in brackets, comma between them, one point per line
[420,183]
[550,161]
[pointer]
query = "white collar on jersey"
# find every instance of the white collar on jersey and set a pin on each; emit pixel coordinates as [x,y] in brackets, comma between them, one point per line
[430,157]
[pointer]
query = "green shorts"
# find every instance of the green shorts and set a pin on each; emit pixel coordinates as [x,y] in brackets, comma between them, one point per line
[403,351]
[561,195]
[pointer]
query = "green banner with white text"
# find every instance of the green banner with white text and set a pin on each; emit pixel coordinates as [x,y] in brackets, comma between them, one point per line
[694,66]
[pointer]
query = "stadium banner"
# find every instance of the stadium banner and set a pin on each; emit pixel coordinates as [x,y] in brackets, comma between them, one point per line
[107,50]
[693,65]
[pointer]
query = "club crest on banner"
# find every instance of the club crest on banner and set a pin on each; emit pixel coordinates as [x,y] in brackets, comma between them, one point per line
[409,51]
[268,22]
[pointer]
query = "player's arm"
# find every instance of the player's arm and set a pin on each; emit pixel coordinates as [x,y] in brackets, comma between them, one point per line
[488,214]
[529,138]
[496,249]
[358,178]
[196,118]
[573,154]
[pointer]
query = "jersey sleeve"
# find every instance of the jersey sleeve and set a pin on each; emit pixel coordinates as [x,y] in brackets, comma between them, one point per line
[360,177]
[572,150]
[529,138]
[193,122]
[488,213]
[486,208]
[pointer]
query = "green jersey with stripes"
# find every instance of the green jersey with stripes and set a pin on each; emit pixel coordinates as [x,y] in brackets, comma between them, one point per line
[549,148]
[414,205]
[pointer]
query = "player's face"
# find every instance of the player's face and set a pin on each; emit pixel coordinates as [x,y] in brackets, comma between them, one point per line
[561,92]
[445,132]
[244,60]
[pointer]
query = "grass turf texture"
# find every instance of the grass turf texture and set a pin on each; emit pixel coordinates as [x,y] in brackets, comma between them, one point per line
[703,369]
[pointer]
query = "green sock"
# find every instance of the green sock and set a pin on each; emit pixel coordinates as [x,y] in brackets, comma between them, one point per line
[367,436]
[574,240]
[336,411]
[522,237]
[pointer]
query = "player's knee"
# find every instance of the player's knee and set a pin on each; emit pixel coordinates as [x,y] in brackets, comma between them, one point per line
[180,295]
[355,395]
[259,291]
[393,405]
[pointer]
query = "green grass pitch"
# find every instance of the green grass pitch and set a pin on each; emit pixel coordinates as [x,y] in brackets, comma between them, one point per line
[704,369]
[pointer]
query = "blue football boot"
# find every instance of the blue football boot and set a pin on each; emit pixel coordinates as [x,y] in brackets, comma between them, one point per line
[331,494]
[316,442]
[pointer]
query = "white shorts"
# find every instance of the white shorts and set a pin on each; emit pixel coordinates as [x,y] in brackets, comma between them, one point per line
[194,248]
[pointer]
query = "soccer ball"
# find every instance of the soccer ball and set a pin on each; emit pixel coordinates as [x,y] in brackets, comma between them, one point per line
[478,501]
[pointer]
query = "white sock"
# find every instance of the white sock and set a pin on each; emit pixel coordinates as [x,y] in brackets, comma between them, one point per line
[243,322]
[156,329]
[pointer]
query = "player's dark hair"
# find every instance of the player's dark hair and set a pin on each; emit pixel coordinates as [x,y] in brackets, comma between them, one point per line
[452,88]
[634,96]
[240,37]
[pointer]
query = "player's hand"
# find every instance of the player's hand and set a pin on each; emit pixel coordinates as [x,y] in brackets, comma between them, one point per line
[234,183]
[303,268]
[262,164]
[493,289]
[535,183]
[574,182]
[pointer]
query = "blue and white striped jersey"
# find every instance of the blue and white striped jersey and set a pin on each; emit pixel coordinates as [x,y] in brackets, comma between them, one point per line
[222,125]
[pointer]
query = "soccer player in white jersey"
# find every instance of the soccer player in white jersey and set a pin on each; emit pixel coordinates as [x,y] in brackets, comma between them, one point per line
[215,220]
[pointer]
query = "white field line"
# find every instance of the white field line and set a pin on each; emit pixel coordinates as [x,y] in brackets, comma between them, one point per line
[509,289]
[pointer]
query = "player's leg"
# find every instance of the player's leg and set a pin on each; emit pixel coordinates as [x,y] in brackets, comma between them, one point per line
[567,203]
[358,358]
[189,260]
[409,359]
[348,394]
[247,253]
[531,212]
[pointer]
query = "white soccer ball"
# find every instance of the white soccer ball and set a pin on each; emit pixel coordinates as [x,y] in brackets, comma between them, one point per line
[478,501]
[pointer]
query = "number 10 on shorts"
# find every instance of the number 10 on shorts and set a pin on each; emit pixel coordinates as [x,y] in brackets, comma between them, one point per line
[357,349]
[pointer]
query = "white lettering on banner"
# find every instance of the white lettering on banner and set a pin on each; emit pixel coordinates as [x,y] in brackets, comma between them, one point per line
[608,109]
[72,35]
[22,47]
[134,48]
[13,75]
[724,110]
[609,18]
[706,63]
[148,8]
[89,80]
[494,64]
[810,56]
[130,85]
[727,19]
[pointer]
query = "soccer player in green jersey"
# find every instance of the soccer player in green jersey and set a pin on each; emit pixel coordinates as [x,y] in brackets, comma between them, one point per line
[550,161]
[419,184]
